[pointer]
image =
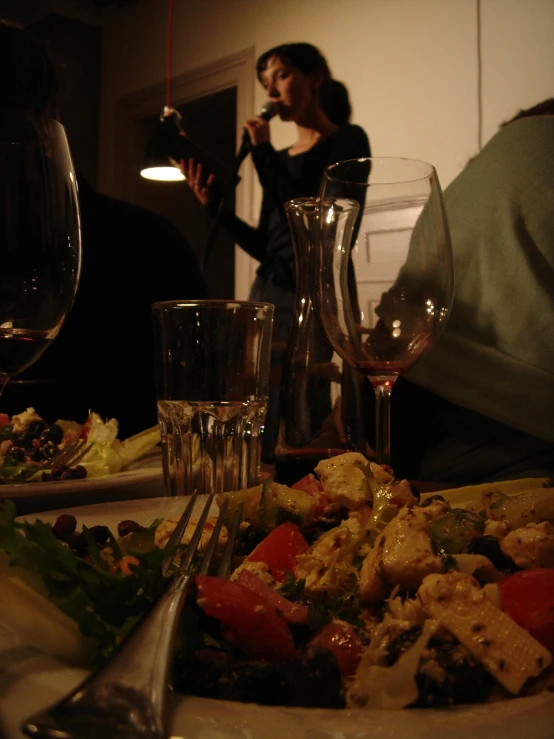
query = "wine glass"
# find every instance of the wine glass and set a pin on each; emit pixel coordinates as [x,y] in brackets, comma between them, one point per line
[382,271]
[40,239]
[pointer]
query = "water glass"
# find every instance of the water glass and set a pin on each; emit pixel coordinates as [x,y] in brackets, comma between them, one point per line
[212,373]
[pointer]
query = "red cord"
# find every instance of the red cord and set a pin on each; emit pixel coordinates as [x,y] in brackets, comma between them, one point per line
[169,28]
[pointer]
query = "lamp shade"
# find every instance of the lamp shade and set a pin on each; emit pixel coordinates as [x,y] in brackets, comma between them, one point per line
[162,151]
[168,145]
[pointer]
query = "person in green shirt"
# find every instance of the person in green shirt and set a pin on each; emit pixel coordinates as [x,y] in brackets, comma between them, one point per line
[480,405]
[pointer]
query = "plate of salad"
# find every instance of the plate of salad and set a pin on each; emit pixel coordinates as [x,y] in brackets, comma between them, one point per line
[28,442]
[355,609]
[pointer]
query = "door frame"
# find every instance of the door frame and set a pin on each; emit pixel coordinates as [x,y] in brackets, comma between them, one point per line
[235,70]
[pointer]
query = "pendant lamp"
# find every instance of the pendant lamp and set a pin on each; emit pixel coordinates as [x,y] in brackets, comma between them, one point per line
[165,147]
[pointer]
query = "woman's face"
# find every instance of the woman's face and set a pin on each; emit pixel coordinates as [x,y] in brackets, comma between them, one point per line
[294,92]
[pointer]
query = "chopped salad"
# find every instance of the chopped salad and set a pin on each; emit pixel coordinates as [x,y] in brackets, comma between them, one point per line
[350,590]
[28,442]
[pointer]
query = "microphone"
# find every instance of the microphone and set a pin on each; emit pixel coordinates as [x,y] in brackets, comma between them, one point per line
[269,110]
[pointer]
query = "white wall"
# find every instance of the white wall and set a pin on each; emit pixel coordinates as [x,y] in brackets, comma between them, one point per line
[411,65]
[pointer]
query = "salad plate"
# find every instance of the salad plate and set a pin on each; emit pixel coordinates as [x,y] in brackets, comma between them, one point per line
[144,482]
[30,680]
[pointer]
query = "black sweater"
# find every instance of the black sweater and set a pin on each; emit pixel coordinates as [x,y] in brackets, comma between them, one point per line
[284,177]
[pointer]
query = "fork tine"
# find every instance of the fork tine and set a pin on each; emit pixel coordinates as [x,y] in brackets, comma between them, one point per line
[73,460]
[214,538]
[227,559]
[195,539]
[178,532]
[47,463]
[66,453]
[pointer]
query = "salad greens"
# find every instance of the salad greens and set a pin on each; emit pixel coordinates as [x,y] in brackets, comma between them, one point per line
[105,604]
[28,440]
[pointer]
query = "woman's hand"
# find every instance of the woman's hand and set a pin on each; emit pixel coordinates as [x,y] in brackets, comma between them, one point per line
[258,130]
[195,180]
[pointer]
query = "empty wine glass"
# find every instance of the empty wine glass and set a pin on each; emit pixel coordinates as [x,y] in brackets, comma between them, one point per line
[40,241]
[382,273]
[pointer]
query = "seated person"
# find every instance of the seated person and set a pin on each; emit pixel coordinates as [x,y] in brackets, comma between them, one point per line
[103,357]
[480,406]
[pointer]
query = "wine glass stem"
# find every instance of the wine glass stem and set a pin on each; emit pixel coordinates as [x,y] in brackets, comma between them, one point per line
[382,387]
[3,383]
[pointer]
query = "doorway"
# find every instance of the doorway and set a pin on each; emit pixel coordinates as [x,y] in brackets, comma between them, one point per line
[210,122]
[213,100]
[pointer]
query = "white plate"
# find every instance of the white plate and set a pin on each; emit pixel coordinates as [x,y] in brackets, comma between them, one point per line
[29,681]
[142,479]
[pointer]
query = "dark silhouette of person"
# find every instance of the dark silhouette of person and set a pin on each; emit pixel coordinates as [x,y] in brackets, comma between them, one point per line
[103,358]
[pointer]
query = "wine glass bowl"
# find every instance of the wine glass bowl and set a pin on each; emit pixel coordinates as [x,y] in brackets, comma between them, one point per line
[383,286]
[40,242]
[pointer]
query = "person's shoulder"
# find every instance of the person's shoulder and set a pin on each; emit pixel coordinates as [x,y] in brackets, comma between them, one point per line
[350,130]
[355,137]
[533,134]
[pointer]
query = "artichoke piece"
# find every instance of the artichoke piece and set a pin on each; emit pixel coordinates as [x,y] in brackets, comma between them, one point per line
[452,533]
[250,497]
[280,503]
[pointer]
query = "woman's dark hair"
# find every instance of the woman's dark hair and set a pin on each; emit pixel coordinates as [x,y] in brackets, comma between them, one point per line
[308,58]
[31,76]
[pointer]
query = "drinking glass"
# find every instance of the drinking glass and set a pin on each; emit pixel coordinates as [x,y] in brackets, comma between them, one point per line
[382,283]
[212,374]
[40,239]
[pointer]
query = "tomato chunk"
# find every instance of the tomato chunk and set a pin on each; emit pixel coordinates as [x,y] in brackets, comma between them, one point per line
[248,620]
[341,639]
[310,484]
[280,549]
[528,598]
[293,613]
[4,419]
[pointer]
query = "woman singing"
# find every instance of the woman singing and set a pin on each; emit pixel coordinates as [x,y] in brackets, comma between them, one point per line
[297,79]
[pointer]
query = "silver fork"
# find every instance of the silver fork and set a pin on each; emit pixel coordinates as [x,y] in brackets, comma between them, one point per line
[125,699]
[68,456]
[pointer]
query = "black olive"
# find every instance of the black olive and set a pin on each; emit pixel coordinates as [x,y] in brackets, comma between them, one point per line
[201,673]
[100,534]
[31,432]
[17,453]
[35,454]
[128,527]
[433,499]
[489,546]
[48,449]
[254,681]
[53,434]
[402,642]
[73,473]
[465,680]
[64,526]
[78,544]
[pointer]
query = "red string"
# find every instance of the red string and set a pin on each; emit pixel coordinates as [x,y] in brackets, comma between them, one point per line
[169,28]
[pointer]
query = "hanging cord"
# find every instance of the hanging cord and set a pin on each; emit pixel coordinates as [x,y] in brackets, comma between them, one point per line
[479,81]
[169,35]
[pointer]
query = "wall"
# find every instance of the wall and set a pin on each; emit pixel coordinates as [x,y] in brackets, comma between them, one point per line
[411,65]
[78,44]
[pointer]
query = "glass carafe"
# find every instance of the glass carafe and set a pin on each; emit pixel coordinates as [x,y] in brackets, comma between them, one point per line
[322,399]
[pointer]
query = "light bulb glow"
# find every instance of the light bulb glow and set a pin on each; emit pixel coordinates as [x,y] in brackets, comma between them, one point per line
[163,174]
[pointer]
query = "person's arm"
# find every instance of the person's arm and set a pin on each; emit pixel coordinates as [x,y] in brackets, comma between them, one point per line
[252,239]
[274,177]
